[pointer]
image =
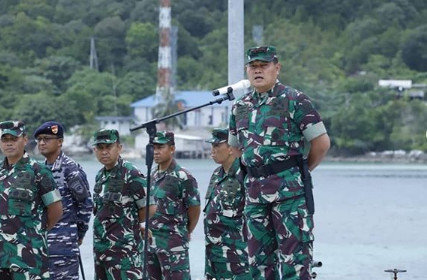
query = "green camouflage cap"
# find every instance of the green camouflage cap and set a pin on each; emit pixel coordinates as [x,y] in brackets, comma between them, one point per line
[105,136]
[15,128]
[164,137]
[264,53]
[219,135]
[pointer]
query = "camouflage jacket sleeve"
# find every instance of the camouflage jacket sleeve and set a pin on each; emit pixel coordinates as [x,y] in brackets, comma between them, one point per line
[307,118]
[232,134]
[44,179]
[137,185]
[79,188]
[191,193]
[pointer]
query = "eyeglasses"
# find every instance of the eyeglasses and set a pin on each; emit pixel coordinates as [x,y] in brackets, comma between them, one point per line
[45,139]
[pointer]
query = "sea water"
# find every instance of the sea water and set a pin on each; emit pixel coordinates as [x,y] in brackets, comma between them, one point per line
[369,217]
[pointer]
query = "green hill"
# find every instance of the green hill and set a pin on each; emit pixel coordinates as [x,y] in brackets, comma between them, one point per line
[333,50]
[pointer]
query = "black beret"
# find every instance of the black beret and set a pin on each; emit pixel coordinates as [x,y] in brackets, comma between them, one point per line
[52,128]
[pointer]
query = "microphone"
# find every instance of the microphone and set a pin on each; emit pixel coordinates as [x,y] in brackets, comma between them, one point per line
[316,264]
[240,85]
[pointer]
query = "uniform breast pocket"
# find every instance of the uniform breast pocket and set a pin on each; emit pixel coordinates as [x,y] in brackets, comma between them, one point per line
[243,114]
[165,203]
[112,206]
[229,199]
[20,201]
[275,132]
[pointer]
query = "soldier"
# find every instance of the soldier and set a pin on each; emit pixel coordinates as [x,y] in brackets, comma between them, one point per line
[177,199]
[226,255]
[66,236]
[119,198]
[30,205]
[271,124]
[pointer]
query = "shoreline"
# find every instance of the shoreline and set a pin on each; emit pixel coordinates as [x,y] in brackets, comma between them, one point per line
[369,159]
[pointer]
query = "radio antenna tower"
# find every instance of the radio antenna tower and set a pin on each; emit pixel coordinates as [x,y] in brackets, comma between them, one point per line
[93,60]
[164,90]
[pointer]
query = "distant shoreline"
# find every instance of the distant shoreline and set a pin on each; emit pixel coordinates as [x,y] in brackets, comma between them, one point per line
[385,157]
[377,159]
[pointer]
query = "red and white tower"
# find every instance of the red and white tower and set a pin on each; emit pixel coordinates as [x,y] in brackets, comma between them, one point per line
[164,90]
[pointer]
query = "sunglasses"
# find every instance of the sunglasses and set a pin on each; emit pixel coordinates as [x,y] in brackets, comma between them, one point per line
[106,135]
[258,50]
[264,49]
[220,135]
[11,124]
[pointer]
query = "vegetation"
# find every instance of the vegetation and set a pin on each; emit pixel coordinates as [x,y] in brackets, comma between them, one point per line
[335,51]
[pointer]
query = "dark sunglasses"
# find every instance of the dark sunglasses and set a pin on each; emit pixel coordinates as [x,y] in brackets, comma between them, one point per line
[10,125]
[106,135]
[258,50]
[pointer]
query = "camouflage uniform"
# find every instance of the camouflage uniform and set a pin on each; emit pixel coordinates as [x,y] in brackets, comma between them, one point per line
[271,127]
[174,190]
[26,189]
[77,207]
[119,194]
[225,226]
[63,238]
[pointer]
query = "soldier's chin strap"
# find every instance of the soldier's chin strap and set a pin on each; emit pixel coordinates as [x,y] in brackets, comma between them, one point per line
[149,157]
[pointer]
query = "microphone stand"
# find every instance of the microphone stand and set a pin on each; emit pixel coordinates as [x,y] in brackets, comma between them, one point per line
[150,126]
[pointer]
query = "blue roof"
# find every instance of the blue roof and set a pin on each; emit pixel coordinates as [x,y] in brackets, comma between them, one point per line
[190,99]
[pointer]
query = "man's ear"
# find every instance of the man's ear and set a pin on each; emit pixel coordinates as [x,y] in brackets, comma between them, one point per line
[278,67]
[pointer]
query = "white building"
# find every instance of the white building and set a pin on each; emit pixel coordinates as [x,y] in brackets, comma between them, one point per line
[198,123]
[215,115]
[121,124]
[397,84]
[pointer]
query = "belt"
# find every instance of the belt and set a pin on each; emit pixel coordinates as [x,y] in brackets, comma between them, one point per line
[272,168]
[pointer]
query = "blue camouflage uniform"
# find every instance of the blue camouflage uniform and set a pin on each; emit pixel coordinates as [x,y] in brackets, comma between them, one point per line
[64,237]
[77,208]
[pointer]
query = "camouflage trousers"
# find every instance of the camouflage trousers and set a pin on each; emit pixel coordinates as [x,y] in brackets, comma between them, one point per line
[64,268]
[226,270]
[280,234]
[123,269]
[168,265]
[20,274]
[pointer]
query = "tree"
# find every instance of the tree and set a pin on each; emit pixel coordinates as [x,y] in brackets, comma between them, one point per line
[111,47]
[57,69]
[41,107]
[66,11]
[94,93]
[142,41]
[414,49]
[137,85]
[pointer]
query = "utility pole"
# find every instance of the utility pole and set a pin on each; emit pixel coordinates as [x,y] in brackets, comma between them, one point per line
[93,59]
[235,41]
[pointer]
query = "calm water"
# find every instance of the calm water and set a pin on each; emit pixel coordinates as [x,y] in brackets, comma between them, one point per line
[369,217]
